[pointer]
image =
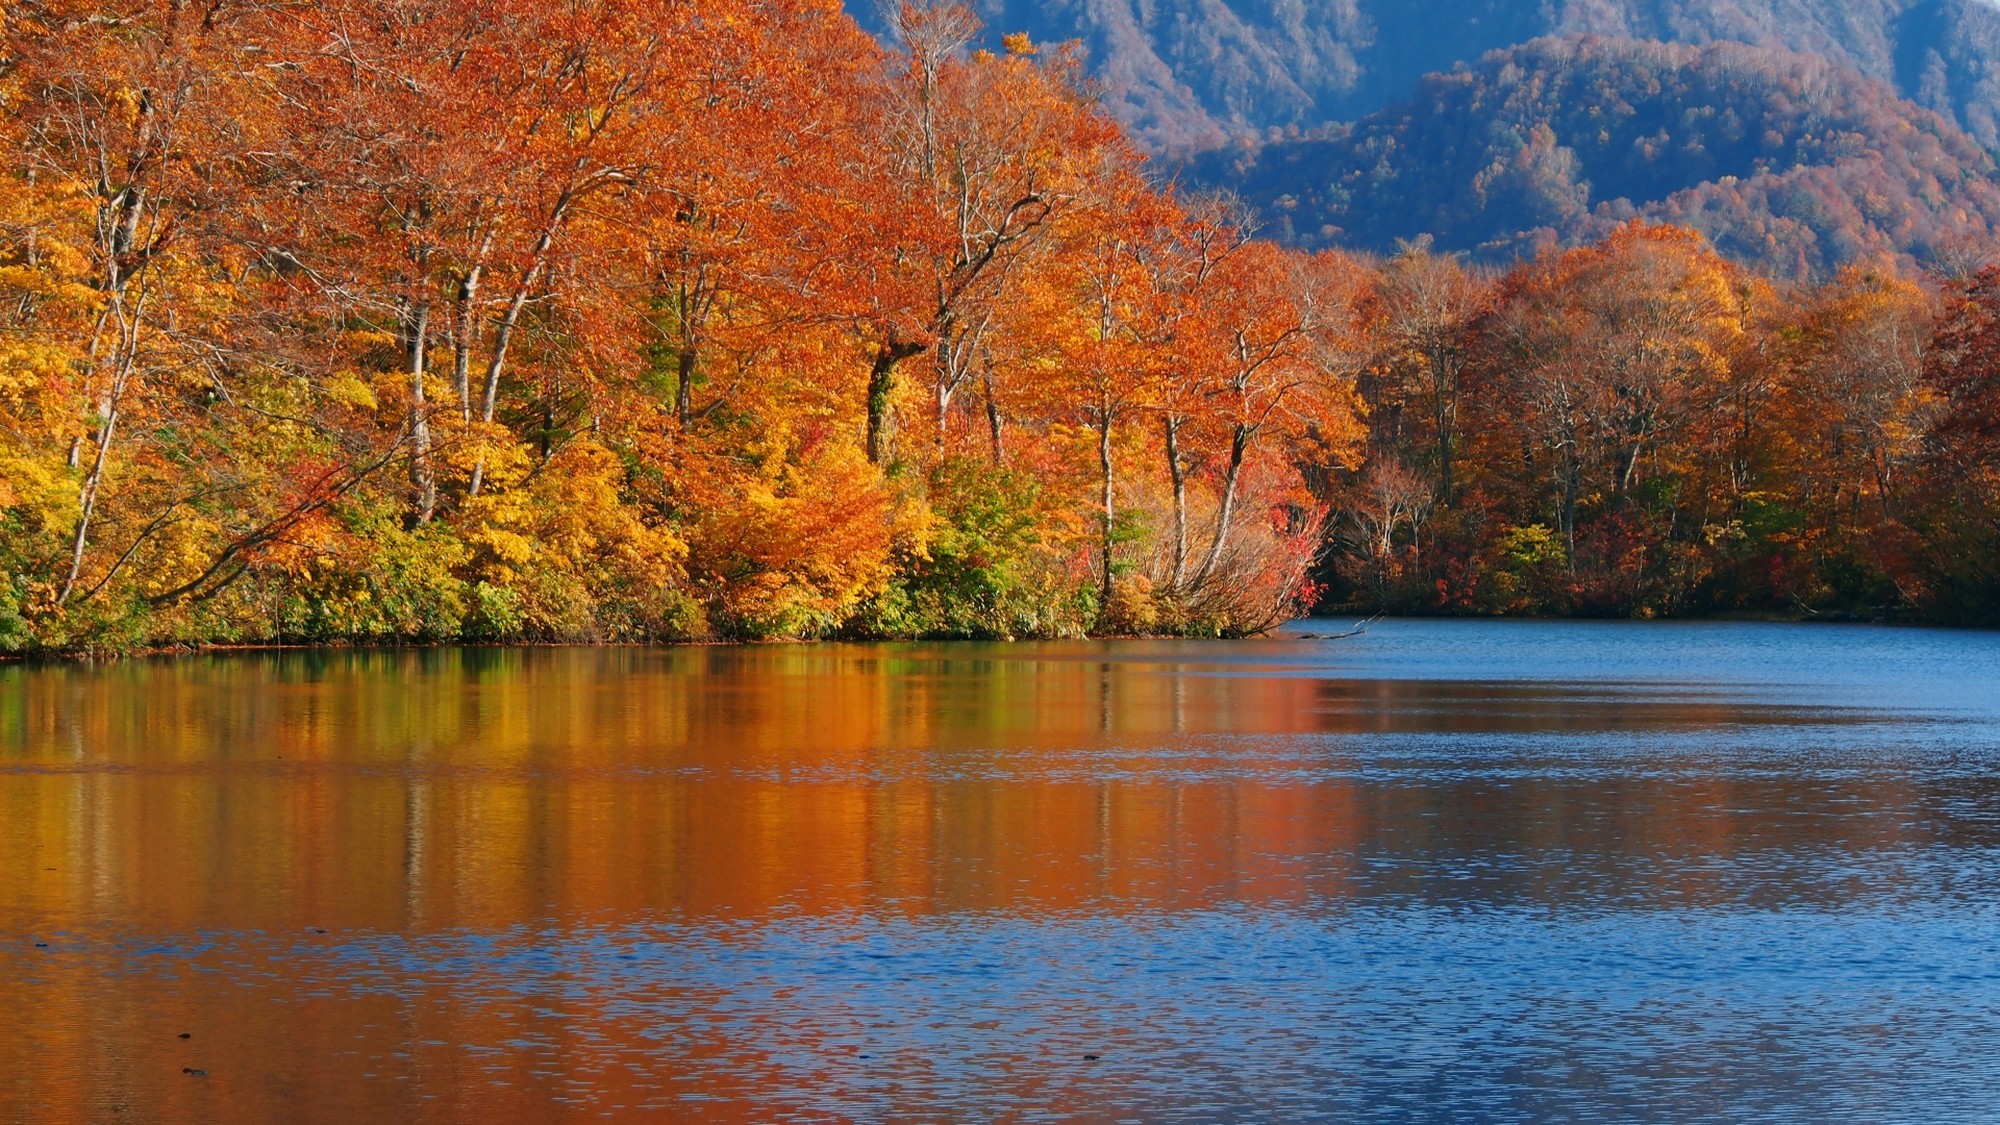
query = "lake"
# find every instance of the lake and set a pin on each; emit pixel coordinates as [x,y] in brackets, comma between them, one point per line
[1443,872]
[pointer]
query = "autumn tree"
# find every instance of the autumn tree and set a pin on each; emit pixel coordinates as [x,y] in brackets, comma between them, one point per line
[1182,259]
[1092,302]
[124,146]
[1959,565]
[1285,346]
[1424,308]
[1606,353]
[1858,356]
[985,154]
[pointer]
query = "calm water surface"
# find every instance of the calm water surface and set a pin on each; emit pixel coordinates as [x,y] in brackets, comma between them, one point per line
[1450,872]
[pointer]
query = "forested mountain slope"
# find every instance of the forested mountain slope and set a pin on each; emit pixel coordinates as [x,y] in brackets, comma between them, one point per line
[1188,73]
[1785,161]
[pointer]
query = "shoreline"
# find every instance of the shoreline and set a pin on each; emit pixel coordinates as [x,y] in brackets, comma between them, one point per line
[1347,626]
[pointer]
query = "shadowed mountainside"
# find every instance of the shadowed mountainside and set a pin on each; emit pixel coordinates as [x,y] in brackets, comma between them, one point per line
[1187,74]
[1785,161]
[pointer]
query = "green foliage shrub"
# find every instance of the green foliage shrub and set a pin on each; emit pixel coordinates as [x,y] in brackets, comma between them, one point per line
[986,570]
[393,585]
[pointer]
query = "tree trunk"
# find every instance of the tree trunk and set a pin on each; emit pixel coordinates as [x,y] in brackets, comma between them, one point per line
[1177,471]
[1631,470]
[684,371]
[87,505]
[34,257]
[1239,446]
[944,391]
[881,385]
[1444,415]
[503,339]
[881,381]
[1572,490]
[127,205]
[1110,511]
[1885,483]
[132,204]
[462,331]
[1445,486]
[993,419]
[489,399]
[422,478]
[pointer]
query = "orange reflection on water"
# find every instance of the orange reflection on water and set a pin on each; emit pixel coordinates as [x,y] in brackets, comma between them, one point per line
[198,840]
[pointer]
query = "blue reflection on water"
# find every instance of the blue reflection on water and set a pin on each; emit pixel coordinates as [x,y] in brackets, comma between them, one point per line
[1335,1013]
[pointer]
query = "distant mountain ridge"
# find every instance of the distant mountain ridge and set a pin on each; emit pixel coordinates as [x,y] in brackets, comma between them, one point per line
[1786,161]
[1189,74]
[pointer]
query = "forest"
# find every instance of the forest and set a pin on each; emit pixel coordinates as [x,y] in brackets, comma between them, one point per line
[1787,162]
[650,320]
[1642,428]
[1186,75]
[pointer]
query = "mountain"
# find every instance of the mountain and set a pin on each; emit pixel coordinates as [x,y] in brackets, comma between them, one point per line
[1786,161]
[1187,74]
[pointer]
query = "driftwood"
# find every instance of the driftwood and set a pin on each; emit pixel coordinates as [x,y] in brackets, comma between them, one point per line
[1360,628]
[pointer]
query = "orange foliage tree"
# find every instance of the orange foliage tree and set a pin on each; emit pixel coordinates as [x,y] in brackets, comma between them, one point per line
[634,298]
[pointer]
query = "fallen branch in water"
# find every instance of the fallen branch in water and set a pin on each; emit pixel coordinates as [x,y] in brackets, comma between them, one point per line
[1359,629]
